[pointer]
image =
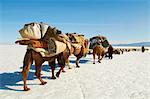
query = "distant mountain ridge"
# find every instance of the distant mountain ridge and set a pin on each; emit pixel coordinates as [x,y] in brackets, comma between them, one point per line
[146,44]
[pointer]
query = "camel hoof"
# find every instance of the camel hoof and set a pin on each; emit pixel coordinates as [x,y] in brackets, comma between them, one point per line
[53,77]
[43,83]
[57,74]
[26,89]
[63,71]
[78,66]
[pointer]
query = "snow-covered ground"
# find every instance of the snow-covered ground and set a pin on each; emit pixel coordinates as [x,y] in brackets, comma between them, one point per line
[126,76]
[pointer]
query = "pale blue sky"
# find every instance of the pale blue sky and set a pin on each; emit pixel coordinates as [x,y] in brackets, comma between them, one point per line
[121,21]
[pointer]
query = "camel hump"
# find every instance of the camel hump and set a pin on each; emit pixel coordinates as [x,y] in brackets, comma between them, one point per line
[75,38]
[99,40]
[55,46]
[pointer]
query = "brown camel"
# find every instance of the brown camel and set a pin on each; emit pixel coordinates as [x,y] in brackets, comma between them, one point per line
[78,52]
[32,55]
[98,44]
[99,51]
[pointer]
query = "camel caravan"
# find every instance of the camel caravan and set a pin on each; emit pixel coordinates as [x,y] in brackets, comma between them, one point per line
[47,43]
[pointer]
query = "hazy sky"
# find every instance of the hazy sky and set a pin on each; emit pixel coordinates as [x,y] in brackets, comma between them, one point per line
[121,21]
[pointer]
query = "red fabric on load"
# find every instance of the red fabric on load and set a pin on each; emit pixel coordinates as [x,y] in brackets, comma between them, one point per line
[33,43]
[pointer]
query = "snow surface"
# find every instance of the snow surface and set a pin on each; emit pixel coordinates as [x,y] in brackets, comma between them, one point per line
[126,76]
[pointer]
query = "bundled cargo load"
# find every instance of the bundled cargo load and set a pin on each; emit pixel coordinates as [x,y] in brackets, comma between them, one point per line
[99,40]
[78,41]
[48,49]
[45,39]
[55,46]
[44,28]
[55,33]
[76,38]
[33,30]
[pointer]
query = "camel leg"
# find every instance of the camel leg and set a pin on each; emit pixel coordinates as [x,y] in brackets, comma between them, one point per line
[38,64]
[77,62]
[99,58]
[62,64]
[60,59]
[26,66]
[80,56]
[52,65]
[68,63]
[25,73]
[93,58]
[65,59]
[61,68]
